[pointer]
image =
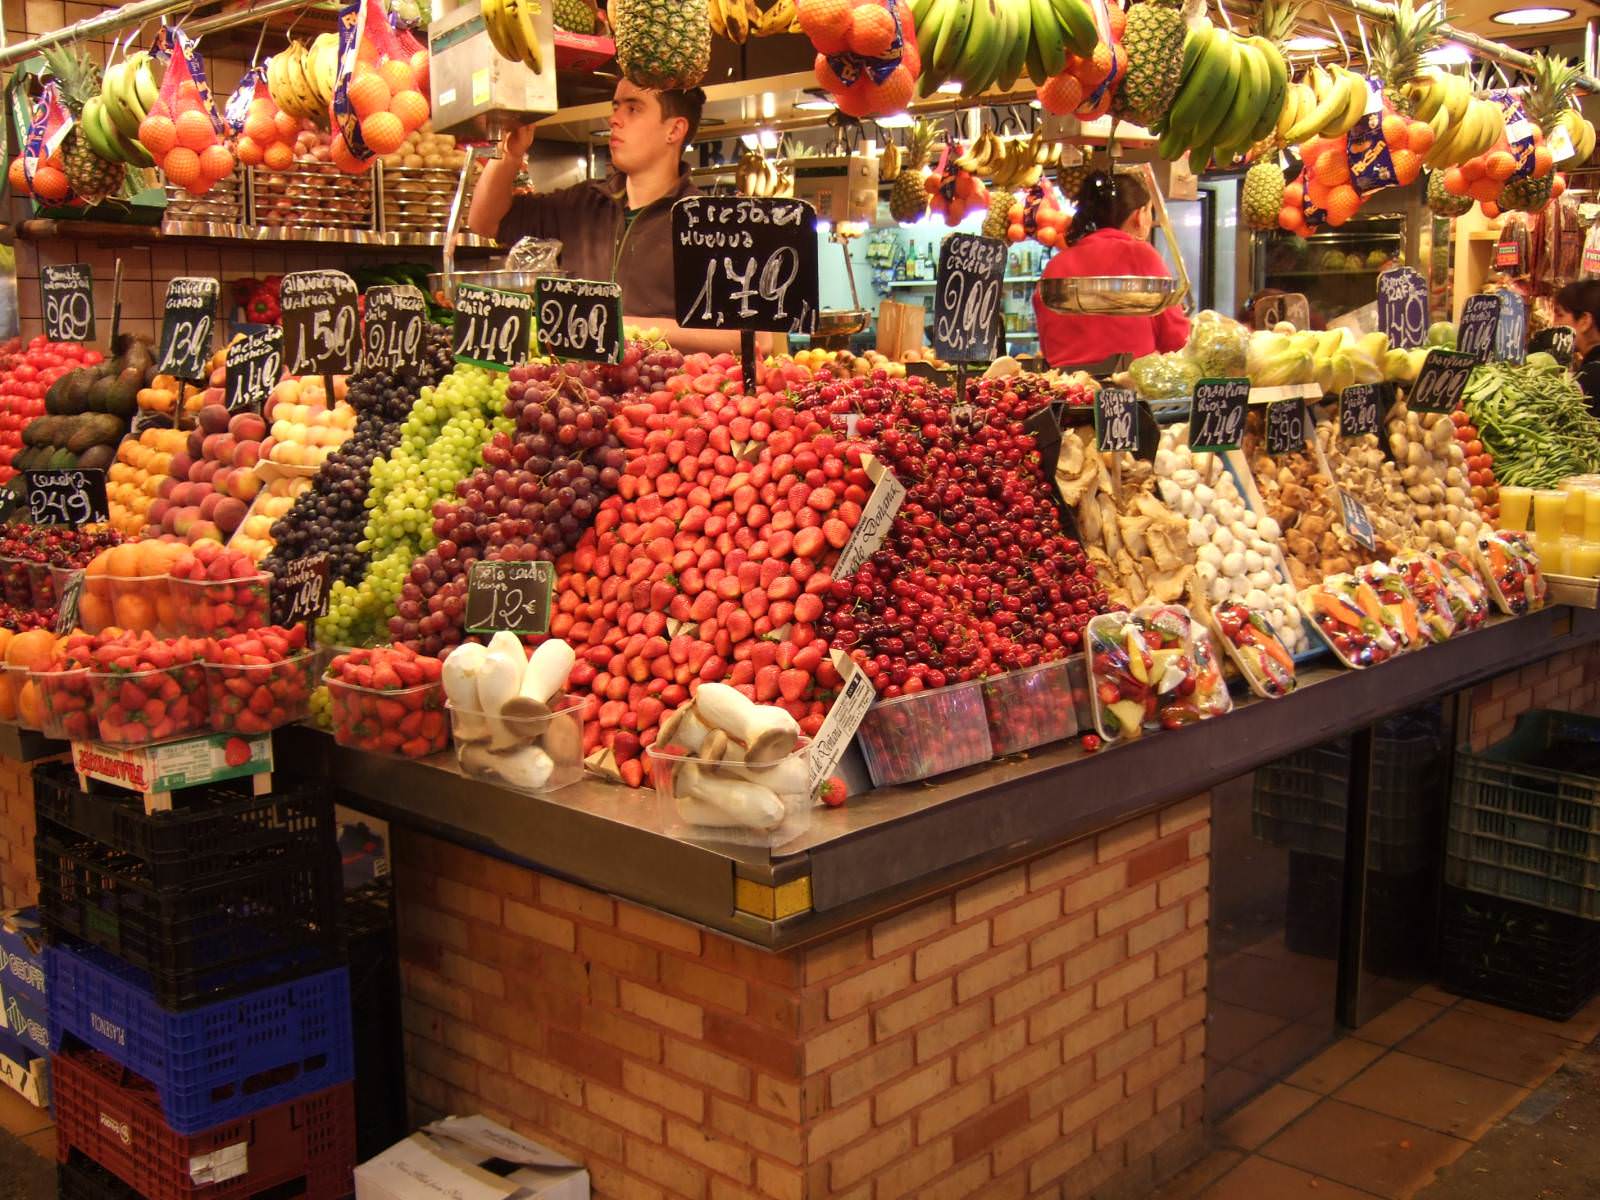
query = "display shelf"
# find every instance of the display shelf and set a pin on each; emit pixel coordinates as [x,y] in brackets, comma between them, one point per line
[888,846]
[44,230]
[1312,271]
[916,283]
[28,745]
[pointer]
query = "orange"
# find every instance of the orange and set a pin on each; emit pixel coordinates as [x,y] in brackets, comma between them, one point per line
[411,108]
[1543,160]
[383,132]
[419,70]
[894,93]
[1490,208]
[123,562]
[340,154]
[1500,165]
[279,156]
[31,650]
[1061,94]
[5,640]
[1331,166]
[872,31]
[182,166]
[30,714]
[826,23]
[398,75]
[8,697]
[288,125]
[1342,203]
[50,183]
[1407,165]
[250,152]
[188,91]
[215,162]
[368,93]
[259,125]
[1473,170]
[1396,132]
[1456,181]
[17,176]
[1420,140]
[1485,189]
[195,131]
[134,611]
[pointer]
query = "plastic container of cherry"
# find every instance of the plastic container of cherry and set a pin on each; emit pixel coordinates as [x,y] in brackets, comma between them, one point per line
[1512,569]
[260,680]
[1029,707]
[15,585]
[388,700]
[42,584]
[923,734]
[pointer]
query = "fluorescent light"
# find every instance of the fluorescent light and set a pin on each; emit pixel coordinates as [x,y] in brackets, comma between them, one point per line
[824,226]
[951,87]
[769,106]
[1531,16]
[1309,41]
[899,120]
[1451,54]
[815,104]
[1035,105]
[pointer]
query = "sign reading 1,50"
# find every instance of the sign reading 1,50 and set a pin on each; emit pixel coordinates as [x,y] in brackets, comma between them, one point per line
[333,332]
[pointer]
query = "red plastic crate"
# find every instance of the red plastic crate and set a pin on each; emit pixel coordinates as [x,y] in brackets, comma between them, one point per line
[304,1147]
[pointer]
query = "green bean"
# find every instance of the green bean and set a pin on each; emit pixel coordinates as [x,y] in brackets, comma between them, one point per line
[1535,422]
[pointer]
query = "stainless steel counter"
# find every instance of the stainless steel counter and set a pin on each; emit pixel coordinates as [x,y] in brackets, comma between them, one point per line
[888,847]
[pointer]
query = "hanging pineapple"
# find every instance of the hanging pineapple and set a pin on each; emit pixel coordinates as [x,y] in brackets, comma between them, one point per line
[908,198]
[575,16]
[1441,202]
[1153,41]
[1398,47]
[662,43]
[1069,179]
[1555,80]
[92,175]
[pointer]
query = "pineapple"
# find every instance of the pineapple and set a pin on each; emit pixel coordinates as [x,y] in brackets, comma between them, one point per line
[1441,202]
[1153,41]
[90,176]
[908,198]
[1549,95]
[1262,195]
[999,218]
[575,16]
[1398,47]
[663,43]
[1070,178]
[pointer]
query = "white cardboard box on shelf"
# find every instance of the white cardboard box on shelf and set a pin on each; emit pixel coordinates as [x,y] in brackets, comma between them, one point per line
[449,1159]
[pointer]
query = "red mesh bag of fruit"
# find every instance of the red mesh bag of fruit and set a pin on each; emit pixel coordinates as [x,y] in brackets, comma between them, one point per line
[261,133]
[38,170]
[381,94]
[183,129]
[867,53]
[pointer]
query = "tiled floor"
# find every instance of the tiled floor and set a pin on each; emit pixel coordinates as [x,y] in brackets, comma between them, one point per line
[1380,1112]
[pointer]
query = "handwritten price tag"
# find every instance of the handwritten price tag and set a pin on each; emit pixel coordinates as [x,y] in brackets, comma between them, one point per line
[856,696]
[1403,307]
[1357,521]
[579,318]
[877,515]
[301,592]
[1116,420]
[1216,415]
[1286,427]
[1558,342]
[186,322]
[253,366]
[966,298]
[514,596]
[397,326]
[67,295]
[1480,320]
[1441,381]
[742,262]
[1361,409]
[492,327]
[72,497]
[321,327]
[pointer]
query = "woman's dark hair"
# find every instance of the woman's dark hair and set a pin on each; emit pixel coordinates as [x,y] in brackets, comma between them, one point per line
[1581,297]
[1106,202]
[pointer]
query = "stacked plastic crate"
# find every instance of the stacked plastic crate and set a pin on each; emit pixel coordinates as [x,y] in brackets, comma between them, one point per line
[199,1000]
[1520,923]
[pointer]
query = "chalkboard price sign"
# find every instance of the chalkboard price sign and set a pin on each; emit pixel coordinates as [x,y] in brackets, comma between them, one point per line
[1361,409]
[1511,334]
[1403,307]
[1480,321]
[67,603]
[492,327]
[1558,342]
[579,318]
[72,497]
[66,294]
[1216,415]
[509,595]
[1116,420]
[1286,427]
[1441,381]
[747,263]
[186,322]
[966,297]
[321,327]
[253,366]
[1357,521]
[397,326]
[301,592]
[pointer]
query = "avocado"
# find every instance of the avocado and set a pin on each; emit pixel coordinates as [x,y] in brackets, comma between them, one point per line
[137,357]
[55,398]
[100,395]
[122,399]
[62,460]
[97,458]
[77,398]
[36,431]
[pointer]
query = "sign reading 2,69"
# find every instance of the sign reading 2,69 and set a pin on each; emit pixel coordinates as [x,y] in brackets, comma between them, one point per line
[579,318]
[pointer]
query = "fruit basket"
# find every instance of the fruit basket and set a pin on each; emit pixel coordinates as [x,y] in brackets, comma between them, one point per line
[66,702]
[408,722]
[533,754]
[922,734]
[260,697]
[311,194]
[135,708]
[223,204]
[218,608]
[753,806]
[1030,707]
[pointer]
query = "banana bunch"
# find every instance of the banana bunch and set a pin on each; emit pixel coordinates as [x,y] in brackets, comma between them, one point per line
[1010,162]
[1581,132]
[128,90]
[760,176]
[988,42]
[1230,93]
[511,29]
[1464,126]
[889,162]
[301,80]
[1327,103]
[740,20]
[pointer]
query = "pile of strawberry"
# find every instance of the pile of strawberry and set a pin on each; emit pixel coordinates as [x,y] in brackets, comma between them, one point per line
[217,592]
[388,700]
[259,680]
[65,698]
[147,689]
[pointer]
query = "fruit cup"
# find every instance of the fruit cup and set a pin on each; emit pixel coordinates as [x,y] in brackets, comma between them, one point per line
[141,603]
[14,583]
[1029,707]
[528,754]
[712,801]
[409,722]
[96,610]
[138,707]
[66,703]
[208,608]
[26,697]
[255,699]
[922,734]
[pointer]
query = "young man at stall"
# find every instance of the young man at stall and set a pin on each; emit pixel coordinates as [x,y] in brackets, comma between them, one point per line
[1578,305]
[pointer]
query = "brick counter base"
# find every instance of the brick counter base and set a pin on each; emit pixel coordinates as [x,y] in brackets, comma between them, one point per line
[19,875]
[1567,681]
[1039,1033]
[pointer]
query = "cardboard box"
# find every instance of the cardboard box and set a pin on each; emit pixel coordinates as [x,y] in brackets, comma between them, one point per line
[24,1072]
[470,1158]
[24,1011]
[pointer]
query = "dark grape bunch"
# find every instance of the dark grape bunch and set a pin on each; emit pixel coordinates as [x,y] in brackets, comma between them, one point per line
[538,489]
[331,514]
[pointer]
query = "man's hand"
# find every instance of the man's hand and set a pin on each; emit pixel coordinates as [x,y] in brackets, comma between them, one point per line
[491,198]
[515,145]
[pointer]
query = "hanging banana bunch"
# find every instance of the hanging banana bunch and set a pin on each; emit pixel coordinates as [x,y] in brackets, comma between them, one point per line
[757,175]
[741,20]
[1010,162]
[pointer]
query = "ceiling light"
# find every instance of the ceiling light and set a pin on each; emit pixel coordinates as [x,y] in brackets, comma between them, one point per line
[815,104]
[1531,16]
[1451,54]
[899,120]
[1309,41]
[951,87]
[769,106]
[1035,105]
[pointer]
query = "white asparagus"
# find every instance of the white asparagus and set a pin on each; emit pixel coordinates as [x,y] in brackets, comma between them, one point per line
[750,804]
[498,681]
[525,767]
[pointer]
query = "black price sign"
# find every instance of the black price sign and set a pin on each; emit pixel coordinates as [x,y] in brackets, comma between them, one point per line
[1403,307]
[1361,409]
[579,318]
[321,326]
[1480,322]
[514,596]
[1116,420]
[1292,307]
[149,418]
[492,327]
[1216,415]
[191,308]
[72,497]
[1511,335]
[67,295]
[301,592]
[742,262]
[1287,423]
[1045,426]
[1356,520]
[1558,342]
[1441,381]
[966,297]
[67,603]
[397,326]
[254,364]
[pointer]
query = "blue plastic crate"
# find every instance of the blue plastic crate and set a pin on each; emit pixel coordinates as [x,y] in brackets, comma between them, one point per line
[215,1063]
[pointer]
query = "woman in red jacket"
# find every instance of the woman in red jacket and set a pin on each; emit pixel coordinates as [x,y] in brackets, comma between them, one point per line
[1109,236]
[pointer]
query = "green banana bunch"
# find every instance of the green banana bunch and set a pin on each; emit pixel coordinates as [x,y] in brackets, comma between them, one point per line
[1231,91]
[983,43]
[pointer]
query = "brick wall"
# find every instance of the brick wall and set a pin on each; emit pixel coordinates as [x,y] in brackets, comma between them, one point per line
[1565,681]
[19,879]
[1037,1034]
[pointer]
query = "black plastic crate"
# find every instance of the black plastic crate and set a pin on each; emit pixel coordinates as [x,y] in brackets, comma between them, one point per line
[215,830]
[1517,955]
[271,921]
[81,1178]
[381,1118]
[1398,931]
